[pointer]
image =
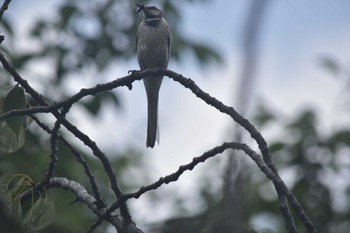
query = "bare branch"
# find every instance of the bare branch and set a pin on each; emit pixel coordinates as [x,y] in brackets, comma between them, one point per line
[46,108]
[3,8]
[79,158]
[195,161]
[53,142]
[83,137]
[269,169]
[27,111]
[174,176]
[83,196]
[188,83]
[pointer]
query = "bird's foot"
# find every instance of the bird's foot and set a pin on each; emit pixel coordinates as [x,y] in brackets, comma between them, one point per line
[131,72]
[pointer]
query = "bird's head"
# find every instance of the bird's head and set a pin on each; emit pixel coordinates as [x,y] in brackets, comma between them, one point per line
[151,12]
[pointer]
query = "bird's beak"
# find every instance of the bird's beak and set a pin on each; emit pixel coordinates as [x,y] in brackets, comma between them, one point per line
[140,7]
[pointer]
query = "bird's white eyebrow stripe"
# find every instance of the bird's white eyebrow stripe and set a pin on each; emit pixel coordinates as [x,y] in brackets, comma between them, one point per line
[152,19]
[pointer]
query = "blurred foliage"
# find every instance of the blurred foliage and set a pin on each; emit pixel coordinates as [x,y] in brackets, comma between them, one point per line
[341,72]
[310,159]
[40,213]
[94,35]
[331,65]
[32,159]
[315,162]
[7,222]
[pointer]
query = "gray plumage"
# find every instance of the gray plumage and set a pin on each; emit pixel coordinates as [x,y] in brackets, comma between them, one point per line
[153,50]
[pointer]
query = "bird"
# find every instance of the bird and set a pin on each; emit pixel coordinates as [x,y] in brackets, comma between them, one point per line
[153,50]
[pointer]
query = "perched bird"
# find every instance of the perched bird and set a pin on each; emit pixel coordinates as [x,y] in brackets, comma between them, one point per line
[153,50]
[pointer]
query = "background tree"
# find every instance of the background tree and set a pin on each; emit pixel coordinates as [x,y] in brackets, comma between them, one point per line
[86,38]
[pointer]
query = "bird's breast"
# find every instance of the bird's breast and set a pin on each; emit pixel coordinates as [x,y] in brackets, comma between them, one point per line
[153,47]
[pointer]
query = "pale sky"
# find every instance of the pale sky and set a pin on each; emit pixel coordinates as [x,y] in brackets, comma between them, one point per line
[295,35]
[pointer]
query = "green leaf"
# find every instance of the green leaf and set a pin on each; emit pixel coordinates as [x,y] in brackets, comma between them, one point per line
[27,121]
[15,99]
[19,61]
[305,123]
[94,104]
[16,189]
[6,198]
[338,139]
[16,208]
[4,181]
[172,10]
[330,65]
[263,116]
[4,90]
[277,146]
[66,12]
[342,136]
[41,214]
[9,140]
[10,194]
[38,28]
[5,23]
[205,54]
[5,191]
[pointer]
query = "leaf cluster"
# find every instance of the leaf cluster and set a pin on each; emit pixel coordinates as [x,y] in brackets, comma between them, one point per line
[12,134]
[41,212]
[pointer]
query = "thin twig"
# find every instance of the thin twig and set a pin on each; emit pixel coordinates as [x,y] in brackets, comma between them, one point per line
[27,111]
[53,142]
[171,178]
[3,8]
[124,81]
[79,158]
[195,161]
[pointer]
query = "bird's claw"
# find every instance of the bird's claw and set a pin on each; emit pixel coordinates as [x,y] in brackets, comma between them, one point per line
[132,72]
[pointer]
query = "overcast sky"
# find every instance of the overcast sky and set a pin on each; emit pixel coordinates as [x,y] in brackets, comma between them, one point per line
[295,35]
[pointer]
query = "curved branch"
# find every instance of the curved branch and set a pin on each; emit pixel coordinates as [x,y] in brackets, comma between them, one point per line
[77,189]
[195,161]
[175,176]
[188,83]
[83,196]
[256,135]
[200,159]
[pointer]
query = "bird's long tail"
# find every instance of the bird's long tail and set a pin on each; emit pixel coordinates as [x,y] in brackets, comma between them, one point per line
[152,85]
